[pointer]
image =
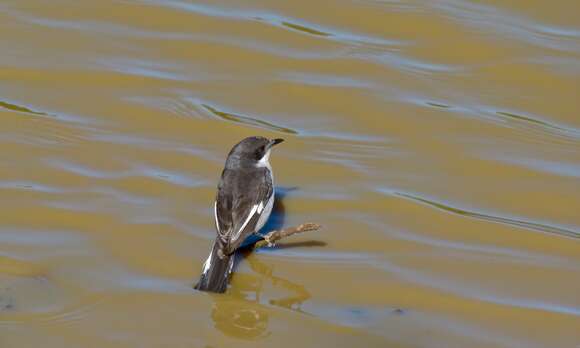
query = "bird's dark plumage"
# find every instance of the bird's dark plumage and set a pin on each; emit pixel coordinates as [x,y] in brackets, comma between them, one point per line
[236,204]
[243,204]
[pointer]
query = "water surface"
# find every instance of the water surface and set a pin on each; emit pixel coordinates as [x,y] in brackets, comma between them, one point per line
[438,142]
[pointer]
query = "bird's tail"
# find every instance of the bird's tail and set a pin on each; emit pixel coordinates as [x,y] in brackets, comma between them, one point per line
[216,271]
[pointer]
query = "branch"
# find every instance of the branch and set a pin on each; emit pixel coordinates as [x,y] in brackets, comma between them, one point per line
[272,237]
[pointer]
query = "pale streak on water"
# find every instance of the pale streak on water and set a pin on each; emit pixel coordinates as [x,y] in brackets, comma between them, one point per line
[437,142]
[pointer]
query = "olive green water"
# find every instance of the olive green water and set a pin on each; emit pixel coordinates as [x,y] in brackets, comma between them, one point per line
[438,142]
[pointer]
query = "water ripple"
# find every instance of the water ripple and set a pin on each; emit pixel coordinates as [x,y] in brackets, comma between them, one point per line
[493,19]
[458,288]
[475,292]
[18,108]
[534,226]
[246,120]
[279,21]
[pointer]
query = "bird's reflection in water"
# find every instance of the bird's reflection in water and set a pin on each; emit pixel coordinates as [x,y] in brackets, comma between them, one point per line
[235,316]
[243,311]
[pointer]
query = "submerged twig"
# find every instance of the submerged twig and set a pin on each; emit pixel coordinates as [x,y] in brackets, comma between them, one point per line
[272,237]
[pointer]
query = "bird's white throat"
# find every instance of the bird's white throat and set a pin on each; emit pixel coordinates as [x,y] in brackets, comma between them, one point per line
[265,161]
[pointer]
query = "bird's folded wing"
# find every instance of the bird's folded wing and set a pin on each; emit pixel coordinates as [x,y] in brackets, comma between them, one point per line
[250,223]
[237,212]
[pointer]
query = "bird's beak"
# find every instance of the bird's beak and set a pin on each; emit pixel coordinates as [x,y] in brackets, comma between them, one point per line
[275,141]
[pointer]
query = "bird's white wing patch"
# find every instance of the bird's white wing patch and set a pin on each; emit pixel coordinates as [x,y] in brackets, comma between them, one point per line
[265,213]
[207,263]
[260,207]
[250,215]
[217,223]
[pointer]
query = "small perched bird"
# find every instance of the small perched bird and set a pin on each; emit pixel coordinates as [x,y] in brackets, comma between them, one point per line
[243,204]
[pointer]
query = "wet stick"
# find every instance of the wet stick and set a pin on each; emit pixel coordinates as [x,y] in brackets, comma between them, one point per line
[272,237]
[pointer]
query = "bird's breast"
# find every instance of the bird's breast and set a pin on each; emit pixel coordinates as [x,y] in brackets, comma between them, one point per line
[265,213]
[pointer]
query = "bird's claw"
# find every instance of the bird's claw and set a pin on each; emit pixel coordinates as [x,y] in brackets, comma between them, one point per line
[269,241]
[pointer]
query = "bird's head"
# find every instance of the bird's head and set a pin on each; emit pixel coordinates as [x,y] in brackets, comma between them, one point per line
[252,152]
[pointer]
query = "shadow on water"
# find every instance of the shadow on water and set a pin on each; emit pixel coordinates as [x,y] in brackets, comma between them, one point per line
[243,312]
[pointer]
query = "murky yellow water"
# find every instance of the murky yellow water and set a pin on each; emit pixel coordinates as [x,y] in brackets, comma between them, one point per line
[438,142]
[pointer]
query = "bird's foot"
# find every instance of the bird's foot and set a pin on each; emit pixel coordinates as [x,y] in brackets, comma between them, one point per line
[269,241]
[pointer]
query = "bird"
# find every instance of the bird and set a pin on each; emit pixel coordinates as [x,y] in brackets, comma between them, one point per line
[243,204]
